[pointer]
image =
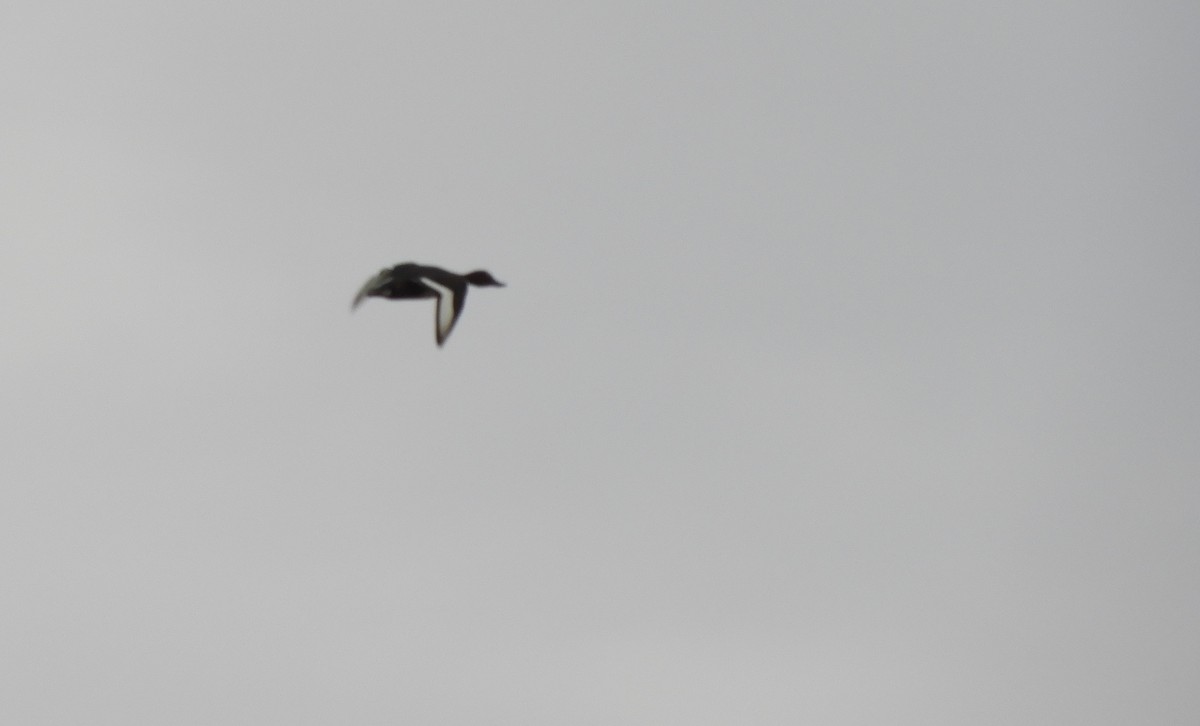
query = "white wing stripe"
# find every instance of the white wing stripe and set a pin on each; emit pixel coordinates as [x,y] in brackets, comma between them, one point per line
[445,306]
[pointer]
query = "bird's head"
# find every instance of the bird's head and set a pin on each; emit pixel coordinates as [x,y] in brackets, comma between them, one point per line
[483,278]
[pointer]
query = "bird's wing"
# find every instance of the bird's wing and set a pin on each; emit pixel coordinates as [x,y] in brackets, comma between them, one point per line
[380,279]
[449,304]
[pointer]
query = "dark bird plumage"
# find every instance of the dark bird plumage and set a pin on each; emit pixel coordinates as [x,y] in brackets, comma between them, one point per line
[409,281]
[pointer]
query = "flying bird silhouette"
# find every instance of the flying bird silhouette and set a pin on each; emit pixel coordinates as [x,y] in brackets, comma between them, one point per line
[410,281]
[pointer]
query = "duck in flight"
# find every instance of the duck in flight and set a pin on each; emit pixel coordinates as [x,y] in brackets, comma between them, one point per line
[409,281]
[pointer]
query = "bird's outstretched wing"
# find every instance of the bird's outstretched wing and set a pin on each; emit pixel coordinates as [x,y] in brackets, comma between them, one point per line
[382,278]
[449,304]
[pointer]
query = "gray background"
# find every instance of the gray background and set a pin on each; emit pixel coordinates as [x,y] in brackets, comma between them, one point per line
[846,374]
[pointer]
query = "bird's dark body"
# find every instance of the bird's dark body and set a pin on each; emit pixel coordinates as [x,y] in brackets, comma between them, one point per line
[410,281]
[405,282]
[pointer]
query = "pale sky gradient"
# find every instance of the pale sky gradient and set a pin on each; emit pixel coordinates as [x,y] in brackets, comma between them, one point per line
[847,371]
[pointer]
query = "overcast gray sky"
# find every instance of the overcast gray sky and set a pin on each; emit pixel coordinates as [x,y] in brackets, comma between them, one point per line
[846,372]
